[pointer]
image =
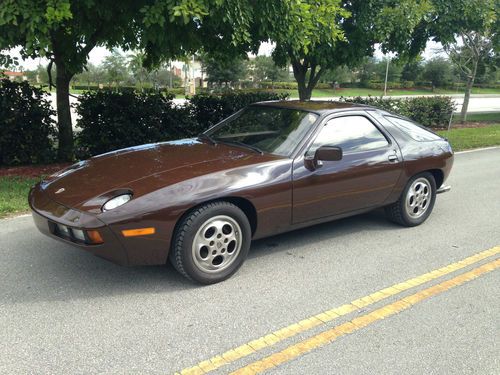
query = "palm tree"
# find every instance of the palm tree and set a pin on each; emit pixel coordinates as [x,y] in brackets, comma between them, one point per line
[136,65]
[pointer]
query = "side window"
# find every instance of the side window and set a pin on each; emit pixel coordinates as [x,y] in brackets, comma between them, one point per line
[415,131]
[351,133]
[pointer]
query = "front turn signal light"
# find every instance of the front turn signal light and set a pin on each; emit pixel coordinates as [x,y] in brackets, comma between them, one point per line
[94,237]
[138,232]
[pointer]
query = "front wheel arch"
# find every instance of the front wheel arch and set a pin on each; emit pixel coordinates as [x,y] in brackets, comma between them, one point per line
[243,204]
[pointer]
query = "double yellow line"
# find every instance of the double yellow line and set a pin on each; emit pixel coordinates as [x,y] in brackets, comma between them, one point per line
[332,334]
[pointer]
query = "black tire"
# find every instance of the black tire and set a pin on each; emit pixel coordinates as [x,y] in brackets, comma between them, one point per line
[184,255]
[401,214]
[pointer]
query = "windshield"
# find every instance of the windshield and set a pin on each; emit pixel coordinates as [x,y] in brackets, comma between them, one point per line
[273,130]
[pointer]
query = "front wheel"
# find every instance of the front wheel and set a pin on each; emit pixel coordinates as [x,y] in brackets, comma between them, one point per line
[211,242]
[416,201]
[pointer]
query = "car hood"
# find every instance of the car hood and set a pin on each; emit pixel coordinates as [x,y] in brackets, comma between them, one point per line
[142,169]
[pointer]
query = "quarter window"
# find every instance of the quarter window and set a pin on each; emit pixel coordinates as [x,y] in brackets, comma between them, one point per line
[351,133]
[415,131]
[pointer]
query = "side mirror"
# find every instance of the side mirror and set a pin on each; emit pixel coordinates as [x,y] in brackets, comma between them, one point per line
[324,153]
[328,153]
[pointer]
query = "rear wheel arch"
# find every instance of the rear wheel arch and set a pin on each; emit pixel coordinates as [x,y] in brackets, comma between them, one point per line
[438,176]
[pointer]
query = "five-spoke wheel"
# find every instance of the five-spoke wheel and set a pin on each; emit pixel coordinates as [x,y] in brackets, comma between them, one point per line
[211,242]
[416,201]
[217,243]
[418,197]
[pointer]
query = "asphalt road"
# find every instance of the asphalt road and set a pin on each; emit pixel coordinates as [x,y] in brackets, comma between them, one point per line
[64,311]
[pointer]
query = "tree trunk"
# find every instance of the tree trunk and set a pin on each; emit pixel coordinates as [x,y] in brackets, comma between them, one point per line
[65,127]
[305,92]
[468,89]
[299,71]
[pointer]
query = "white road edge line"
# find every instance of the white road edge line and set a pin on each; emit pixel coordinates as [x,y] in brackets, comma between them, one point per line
[477,149]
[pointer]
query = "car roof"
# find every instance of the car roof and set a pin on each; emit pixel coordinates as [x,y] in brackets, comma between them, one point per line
[318,106]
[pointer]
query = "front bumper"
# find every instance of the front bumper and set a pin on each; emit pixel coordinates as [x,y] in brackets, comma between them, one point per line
[47,214]
[111,249]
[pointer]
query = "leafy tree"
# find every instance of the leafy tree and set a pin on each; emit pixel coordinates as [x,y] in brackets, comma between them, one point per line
[136,66]
[115,68]
[412,70]
[394,73]
[224,71]
[473,55]
[341,74]
[162,77]
[39,76]
[265,69]
[367,71]
[65,31]
[92,74]
[7,61]
[438,72]
[469,32]
[317,35]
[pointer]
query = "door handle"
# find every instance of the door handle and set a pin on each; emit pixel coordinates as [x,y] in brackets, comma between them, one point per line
[393,158]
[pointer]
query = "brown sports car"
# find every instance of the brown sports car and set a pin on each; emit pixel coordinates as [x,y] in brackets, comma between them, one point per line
[269,168]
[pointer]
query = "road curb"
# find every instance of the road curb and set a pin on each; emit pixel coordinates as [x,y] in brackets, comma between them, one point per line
[477,149]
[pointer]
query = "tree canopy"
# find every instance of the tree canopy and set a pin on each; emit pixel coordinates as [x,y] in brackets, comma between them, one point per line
[312,35]
[65,31]
[317,35]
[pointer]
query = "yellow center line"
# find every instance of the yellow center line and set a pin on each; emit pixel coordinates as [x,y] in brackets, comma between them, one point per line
[304,325]
[356,324]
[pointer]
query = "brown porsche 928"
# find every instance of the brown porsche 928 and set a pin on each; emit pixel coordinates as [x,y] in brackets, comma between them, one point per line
[269,168]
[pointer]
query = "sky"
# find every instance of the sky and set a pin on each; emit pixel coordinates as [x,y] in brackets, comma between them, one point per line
[98,54]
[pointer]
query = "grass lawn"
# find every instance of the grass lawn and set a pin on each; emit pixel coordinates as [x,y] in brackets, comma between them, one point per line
[479,117]
[14,194]
[468,138]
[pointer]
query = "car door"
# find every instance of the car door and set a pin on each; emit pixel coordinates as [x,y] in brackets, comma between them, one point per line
[363,178]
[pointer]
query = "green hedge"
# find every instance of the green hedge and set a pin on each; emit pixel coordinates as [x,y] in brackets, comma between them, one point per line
[461,86]
[379,85]
[27,129]
[207,110]
[290,85]
[431,111]
[113,120]
[110,120]
[174,90]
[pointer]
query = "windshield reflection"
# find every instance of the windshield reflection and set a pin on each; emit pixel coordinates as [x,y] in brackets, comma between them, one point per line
[265,129]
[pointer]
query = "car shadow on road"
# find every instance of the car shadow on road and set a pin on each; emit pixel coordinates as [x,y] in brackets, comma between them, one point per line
[333,230]
[41,269]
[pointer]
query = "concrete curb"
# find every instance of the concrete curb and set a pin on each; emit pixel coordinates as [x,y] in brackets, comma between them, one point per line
[477,149]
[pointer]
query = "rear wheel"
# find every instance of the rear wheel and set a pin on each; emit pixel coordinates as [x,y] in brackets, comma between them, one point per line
[415,203]
[211,242]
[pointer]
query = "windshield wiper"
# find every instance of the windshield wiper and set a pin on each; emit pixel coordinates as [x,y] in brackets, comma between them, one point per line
[241,144]
[208,137]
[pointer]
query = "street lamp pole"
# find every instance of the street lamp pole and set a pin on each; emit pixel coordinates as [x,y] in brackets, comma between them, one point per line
[194,79]
[386,75]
